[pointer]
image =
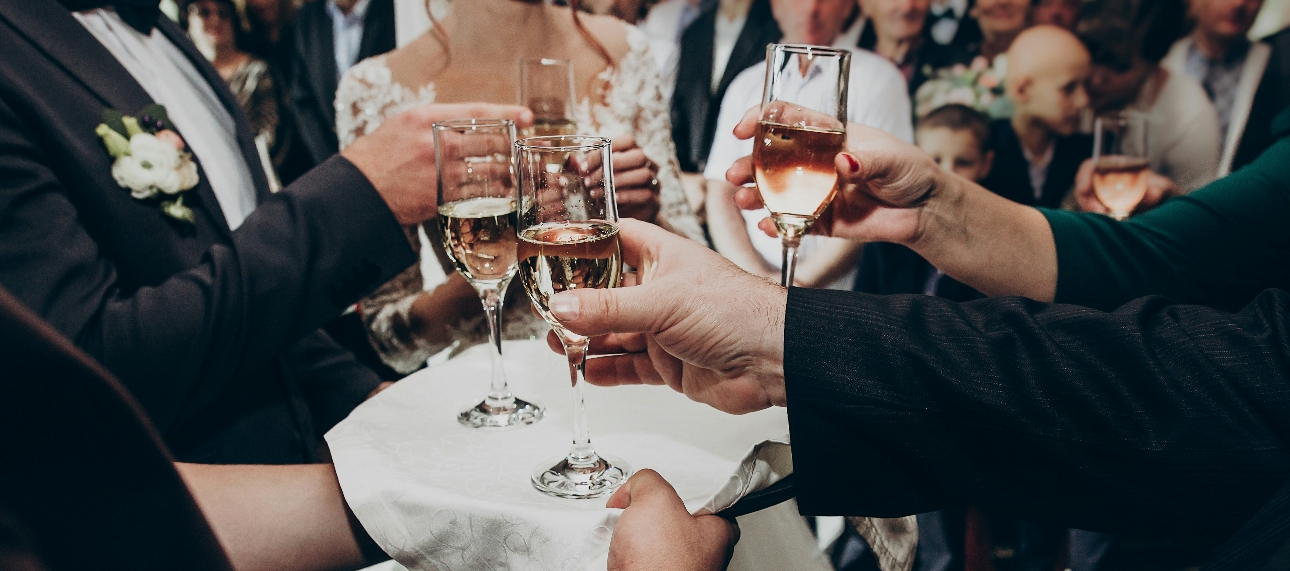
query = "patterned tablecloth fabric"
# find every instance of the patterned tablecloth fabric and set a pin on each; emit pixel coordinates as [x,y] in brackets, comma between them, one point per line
[437,495]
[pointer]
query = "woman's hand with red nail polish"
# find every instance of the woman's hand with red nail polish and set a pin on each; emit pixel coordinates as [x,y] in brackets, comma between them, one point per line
[885,186]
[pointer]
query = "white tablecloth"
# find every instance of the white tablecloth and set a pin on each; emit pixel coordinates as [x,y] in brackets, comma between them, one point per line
[437,495]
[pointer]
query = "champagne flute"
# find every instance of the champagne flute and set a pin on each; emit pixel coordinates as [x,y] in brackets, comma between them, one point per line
[546,88]
[1120,162]
[802,129]
[569,240]
[478,200]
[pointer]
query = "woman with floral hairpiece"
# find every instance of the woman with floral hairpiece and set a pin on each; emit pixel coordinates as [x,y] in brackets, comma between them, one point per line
[471,54]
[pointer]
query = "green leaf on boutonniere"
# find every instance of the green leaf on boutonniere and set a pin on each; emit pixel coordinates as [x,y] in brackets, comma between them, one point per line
[176,210]
[112,118]
[131,126]
[117,145]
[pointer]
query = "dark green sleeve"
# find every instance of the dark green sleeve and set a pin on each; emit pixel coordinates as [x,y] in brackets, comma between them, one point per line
[1219,246]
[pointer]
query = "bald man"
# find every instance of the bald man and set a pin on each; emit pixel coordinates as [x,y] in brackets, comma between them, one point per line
[1038,152]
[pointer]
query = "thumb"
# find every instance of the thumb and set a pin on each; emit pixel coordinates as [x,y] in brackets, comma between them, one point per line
[591,312]
[645,488]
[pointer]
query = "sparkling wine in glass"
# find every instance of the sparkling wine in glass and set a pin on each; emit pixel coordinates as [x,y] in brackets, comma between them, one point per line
[478,218]
[546,88]
[569,240]
[802,129]
[1120,162]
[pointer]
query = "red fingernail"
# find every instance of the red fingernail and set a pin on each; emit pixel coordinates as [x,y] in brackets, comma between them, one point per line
[853,163]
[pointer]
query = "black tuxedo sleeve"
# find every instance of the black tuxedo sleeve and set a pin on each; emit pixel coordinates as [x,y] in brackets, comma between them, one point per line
[298,260]
[1155,417]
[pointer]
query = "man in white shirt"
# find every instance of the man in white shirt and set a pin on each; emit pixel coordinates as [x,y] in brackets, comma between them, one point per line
[877,97]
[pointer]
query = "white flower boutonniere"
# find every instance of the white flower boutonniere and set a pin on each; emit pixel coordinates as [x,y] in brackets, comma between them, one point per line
[151,159]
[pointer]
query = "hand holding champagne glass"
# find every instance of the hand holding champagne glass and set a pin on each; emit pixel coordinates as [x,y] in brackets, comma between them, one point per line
[546,88]
[569,240]
[1120,161]
[802,129]
[478,200]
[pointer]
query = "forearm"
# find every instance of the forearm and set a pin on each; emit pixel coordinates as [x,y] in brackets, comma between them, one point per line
[729,232]
[277,518]
[988,242]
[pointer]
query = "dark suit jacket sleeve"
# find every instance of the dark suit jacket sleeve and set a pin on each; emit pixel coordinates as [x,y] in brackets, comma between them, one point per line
[303,256]
[1221,245]
[1155,417]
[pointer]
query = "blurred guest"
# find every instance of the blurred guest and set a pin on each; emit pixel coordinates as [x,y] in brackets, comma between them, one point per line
[972,74]
[949,23]
[876,97]
[268,19]
[1060,13]
[893,29]
[726,38]
[1127,39]
[330,36]
[457,59]
[664,24]
[1248,82]
[1038,151]
[218,29]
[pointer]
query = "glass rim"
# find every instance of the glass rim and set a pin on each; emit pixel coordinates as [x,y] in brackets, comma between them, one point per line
[471,124]
[600,143]
[809,48]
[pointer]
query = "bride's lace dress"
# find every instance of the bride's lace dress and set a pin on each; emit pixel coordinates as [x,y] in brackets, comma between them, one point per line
[634,104]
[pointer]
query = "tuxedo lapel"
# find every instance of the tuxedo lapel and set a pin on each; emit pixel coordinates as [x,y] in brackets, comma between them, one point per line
[51,28]
[245,137]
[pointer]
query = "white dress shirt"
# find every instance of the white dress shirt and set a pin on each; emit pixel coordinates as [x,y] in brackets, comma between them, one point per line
[347,33]
[192,105]
[877,97]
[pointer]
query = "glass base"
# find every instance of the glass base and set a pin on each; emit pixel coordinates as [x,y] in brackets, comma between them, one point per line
[517,413]
[560,479]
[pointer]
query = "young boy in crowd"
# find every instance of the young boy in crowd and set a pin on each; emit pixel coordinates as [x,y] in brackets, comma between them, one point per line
[1038,151]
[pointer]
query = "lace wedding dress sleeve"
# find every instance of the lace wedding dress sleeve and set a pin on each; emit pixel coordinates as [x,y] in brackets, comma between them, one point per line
[637,105]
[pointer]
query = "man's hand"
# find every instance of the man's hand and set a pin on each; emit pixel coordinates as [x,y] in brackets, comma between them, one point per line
[884,187]
[695,322]
[655,532]
[399,160]
[635,180]
[1159,189]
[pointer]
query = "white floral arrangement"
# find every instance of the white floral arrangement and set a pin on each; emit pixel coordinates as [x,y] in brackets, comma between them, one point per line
[151,160]
[978,85]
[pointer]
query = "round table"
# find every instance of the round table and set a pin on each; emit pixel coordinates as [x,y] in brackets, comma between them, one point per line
[438,495]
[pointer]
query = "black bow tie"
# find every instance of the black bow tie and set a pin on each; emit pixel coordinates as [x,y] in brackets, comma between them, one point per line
[139,14]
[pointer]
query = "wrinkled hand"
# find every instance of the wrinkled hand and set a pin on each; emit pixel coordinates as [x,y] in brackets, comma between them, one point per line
[399,159]
[884,186]
[635,180]
[1159,189]
[656,533]
[696,322]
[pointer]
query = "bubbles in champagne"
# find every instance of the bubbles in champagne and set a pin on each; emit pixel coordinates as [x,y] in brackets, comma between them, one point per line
[479,236]
[794,168]
[561,256]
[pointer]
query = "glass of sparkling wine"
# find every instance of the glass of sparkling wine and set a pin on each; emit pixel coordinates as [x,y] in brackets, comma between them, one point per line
[478,200]
[569,240]
[1120,161]
[802,129]
[546,88]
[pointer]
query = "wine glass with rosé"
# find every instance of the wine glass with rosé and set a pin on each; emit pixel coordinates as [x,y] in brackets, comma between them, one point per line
[546,88]
[1120,162]
[801,131]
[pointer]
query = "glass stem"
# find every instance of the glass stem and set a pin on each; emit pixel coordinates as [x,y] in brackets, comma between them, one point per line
[499,394]
[582,455]
[792,238]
